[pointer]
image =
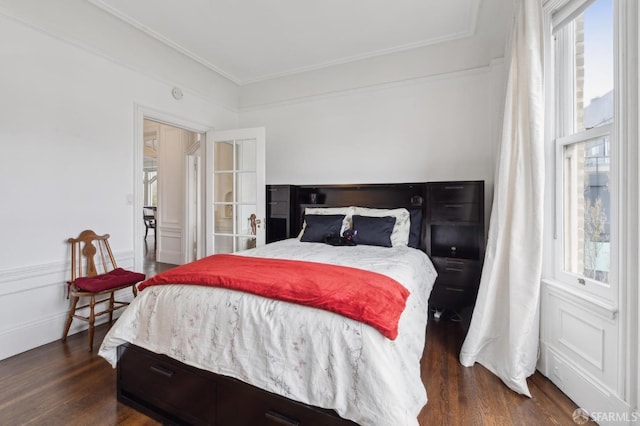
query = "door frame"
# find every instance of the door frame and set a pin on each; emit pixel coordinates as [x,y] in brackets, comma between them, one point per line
[193,204]
[142,112]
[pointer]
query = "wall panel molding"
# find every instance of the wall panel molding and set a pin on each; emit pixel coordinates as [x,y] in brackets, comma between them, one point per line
[28,278]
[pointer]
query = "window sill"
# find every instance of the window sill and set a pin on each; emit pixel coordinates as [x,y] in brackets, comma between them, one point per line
[602,307]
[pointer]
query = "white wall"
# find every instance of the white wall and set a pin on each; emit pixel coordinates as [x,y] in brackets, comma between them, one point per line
[427,129]
[67,133]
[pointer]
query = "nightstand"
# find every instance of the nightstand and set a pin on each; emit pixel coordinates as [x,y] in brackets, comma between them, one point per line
[455,242]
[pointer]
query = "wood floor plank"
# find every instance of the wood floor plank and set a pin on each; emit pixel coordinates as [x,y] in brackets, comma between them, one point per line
[63,384]
[474,396]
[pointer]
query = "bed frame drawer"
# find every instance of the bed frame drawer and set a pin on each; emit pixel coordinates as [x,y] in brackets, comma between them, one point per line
[175,393]
[455,212]
[458,273]
[160,385]
[457,282]
[455,192]
[267,409]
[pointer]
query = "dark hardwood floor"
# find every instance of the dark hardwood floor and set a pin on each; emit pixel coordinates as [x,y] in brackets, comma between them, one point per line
[473,396]
[63,384]
[151,267]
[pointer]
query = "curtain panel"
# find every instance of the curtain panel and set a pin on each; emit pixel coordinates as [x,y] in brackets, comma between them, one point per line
[504,330]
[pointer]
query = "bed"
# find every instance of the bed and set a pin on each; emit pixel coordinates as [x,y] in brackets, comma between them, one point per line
[209,355]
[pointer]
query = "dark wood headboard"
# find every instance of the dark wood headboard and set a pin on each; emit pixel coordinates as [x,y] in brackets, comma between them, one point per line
[386,196]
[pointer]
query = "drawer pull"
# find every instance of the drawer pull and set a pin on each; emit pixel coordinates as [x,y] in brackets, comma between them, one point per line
[454,187]
[453,206]
[281,419]
[459,290]
[448,268]
[161,370]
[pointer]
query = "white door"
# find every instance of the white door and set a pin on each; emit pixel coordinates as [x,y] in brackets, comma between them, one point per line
[234,190]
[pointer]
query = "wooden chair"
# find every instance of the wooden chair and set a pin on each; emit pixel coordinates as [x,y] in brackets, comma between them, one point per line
[149,217]
[88,281]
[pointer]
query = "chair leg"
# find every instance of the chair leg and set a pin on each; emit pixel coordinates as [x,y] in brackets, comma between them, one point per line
[135,290]
[92,320]
[146,231]
[72,310]
[111,304]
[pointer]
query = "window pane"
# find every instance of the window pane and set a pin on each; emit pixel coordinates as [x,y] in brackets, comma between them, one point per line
[594,66]
[246,150]
[587,213]
[246,190]
[223,187]
[244,223]
[245,243]
[223,216]
[223,156]
[223,244]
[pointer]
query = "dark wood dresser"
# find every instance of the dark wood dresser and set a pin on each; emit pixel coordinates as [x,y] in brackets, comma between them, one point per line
[455,242]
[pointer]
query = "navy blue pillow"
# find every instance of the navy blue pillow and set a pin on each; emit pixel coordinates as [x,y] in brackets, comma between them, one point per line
[415,230]
[319,226]
[373,231]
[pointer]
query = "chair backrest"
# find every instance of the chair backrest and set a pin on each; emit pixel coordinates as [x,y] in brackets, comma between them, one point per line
[84,251]
[149,211]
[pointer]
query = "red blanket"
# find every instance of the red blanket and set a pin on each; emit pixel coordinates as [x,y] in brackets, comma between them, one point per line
[365,296]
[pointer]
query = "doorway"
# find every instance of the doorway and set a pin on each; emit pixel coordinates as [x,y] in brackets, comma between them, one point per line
[170,195]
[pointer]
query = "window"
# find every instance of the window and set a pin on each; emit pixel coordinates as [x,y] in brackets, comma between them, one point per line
[584,102]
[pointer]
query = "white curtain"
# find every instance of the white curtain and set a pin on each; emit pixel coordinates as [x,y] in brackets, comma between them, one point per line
[503,335]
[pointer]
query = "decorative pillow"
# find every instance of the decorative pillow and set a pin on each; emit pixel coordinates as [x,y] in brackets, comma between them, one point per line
[415,229]
[373,231]
[400,234]
[320,226]
[346,211]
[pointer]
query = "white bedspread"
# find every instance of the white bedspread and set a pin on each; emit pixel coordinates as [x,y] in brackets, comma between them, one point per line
[306,354]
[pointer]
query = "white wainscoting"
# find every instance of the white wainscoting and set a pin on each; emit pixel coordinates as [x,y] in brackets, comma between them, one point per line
[170,245]
[34,305]
[580,349]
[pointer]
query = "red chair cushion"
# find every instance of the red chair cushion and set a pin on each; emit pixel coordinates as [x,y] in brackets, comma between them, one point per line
[112,279]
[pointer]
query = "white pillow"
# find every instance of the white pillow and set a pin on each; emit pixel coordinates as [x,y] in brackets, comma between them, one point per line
[346,211]
[400,233]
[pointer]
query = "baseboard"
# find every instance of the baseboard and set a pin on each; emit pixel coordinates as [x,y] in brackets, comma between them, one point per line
[603,405]
[45,330]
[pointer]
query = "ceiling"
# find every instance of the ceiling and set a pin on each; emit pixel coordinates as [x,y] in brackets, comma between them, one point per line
[253,40]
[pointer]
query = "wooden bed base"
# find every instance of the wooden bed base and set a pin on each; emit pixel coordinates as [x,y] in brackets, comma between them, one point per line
[175,393]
